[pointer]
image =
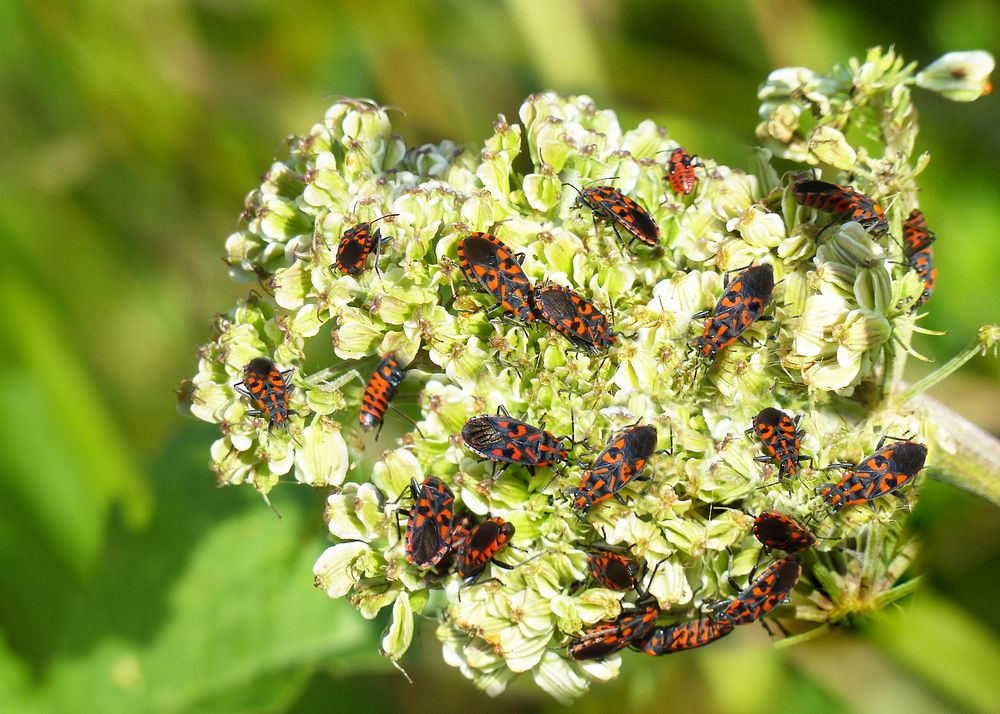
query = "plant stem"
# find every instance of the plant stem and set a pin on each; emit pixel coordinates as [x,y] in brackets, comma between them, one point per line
[941,372]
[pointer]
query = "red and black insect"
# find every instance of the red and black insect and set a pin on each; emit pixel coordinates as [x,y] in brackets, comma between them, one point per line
[684,636]
[776,530]
[429,525]
[379,391]
[488,263]
[742,304]
[606,638]
[357,244]
[609,204]
[502,439]
[764,594]
[844,202]
[573,316]
[779,435]
[680,171]
[481,545]
[267,389]
[915,233]
[617,466]
[613,571]
[461,526]
[923,262]
[886,471]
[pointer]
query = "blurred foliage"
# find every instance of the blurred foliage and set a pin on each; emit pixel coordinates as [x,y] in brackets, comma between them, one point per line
[133,131]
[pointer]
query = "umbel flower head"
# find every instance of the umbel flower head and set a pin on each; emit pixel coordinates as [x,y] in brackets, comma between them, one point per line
[843,307]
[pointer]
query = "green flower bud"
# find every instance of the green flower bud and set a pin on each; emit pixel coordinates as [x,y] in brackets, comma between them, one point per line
[830,146]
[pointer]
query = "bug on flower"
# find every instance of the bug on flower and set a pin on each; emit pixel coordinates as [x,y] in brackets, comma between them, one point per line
[606,638]
[742,304]
[613,571]
[614,468]
[844,202]
[357,244]
[680,171]
[461,526]
[915,233]
[769,590]
[886,471]
[923,262]
[482,544]
[684,636]
[267,389]
[573,316]
[379,391]
[611,205]
[489,264]
[502,439]
[780,437]
[776,530]
[429,523]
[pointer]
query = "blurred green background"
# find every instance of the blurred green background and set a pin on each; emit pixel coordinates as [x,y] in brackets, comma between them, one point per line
[132,132]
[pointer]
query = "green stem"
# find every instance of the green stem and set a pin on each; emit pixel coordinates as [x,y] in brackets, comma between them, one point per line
[966,456]
[941,372]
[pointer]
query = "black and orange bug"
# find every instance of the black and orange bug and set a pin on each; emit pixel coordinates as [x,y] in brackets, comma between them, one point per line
[357,244]
[915,233]
[573,316]
[267,389]
[613,570]
[611,205]
[844,202]
[429,523]
[680,171]
[886,471]
[742,304]
[776,530]
[619,464]
[684,636]
[502,439]
[780,438]
[923,262]
[489,264]
[461,526]
[769,590]
[481,546]
[606,638]
[379,391]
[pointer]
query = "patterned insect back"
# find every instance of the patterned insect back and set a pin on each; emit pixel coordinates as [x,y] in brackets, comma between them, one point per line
[918,241]
[886,471]
[379,391]
[613,571]
[573,316]
[621,462]
[609,637]
[776,530]
[611,205]
[684,636]
[742,304]
[765,593]
[779,436]
[429,525]
[490,265]
[357,244]
[680,171]
[483,543]
[267,389]
[844,203]
[501,438]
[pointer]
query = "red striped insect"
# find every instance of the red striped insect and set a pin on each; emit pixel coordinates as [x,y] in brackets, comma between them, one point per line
[614,468]
[489,264]
[267,389]
[574,317]
[915,233]
[886,471]
[684,636]
[461,526]
[357,244]
[742,304]
[680,171]
[606,638]
[764,594]
[613,571]
[429,523]
[502,439]
[923,262]
[379,391]
[776,530]
[481,546]
[611,205]
[844,202]
[780,437]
